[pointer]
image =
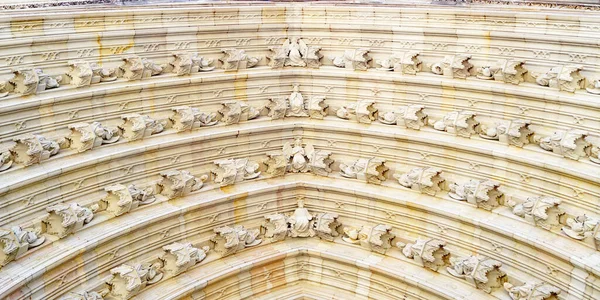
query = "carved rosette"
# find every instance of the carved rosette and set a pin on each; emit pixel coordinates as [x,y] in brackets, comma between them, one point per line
[571,144]
[230,171]
[543,211]
[371,170]
[229,240]
[484,194]
[64,219]
[481,272]
[429,253]
[179,257]
[460,123]
[176,183]
[426,180]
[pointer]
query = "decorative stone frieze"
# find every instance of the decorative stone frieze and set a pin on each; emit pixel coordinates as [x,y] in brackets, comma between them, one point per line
[411,116]
[460,123]
[429,253]
[85,136]
[15,241]
[179,257]
[377,238]
[80,73]
[229,240]
[186,118]
[297,158]
[571,144]
[515,132]
[410,63]
[230,171]
[236,59]
[454,66]
[370,170]
[532,291]
[563,78]
[64,219]
[543,211]
[294,53]
[481,272]
[137,127]
[484,193]
[32,149]
[176,183]
[427,180]
[234,112]
[126,280]
[364,110]
[354,59]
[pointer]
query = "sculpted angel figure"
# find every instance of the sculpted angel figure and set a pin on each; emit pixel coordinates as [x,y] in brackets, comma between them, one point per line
[297,48]
[301,222]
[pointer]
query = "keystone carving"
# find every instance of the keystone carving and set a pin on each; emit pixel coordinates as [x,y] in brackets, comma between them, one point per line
[429,253]
[411,116]
[563,78]
[80,73]
[427,180]
[515,132]
[230,171]
[377,238]
[32,149]
[570,144]
[137,127]
[370,170]
[543,211]
[236,59]
[64,219]
[294,53]
[16,241]
[532,291]
[296,106]
[126,281]
[356,59]
[176,183]
[297,158]
[454,66]
[364,110]
[86,136]
[485,193]
[185,118]
[179,257]
[481,272]
[229,240]
[234,112]
[301,223]
[460,123]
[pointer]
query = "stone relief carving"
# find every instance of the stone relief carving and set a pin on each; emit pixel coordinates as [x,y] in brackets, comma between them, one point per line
[80,73]
[484,193]
[101,74]
[515,132]
[28,81]
[378,238]
[121,199]
[6,158]
[356,59]
[389,64]
[429,253]
[583,227]
[176,183]
[317,109]
[64,219]
[301,222]
[532,291]
[326,225]
[594,150]
[230,171]
[126,281]
[296,106]
[454,66]
[234,112]
[137,127]
[427,180]
[297,158]
[294,53]
[571,144]
[229,240]
[563,78]
[5,88]
[85,296]
[411,116]
[132,68]
[364,110]
[32,149]
[460,123]
[151,68]
[410,63]
[185,63]
[370,170]
[510,71]
[236,59]
[275,227]
[185,118]
[543,211]
[86,136]
[593,88]
[15,241]
[179,257]
[481,272]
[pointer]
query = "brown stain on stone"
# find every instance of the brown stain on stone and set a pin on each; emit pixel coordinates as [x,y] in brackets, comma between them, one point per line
[240,85]
[239,207]
[104,51]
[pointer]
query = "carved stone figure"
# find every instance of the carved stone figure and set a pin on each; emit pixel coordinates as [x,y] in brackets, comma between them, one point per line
[151,68]
[364,110]
[389,64]
[411,116]
[185,117]
[236,59]
[485,73]
[127,281]
[301,222]
[543,211]
[182,63]
[229,240]
[594,154]
[563,78]
[296,106]
[121,199]
[234,112]
[356,59]
[510,71]
[64,219]
[426,180]
[410,63]
[25,81]
[142,194]
[5,88]
[593,88]
[570,144]
[377,238]
[103,74]
[294,53]
[481,272]
[230,171]
[317,109]
[370,170]
[176,183]
[86,136]
[583,227]
[179,257]
[137,127]
[277,108]
[6,159]
[32,149]
[461,123]
[46,81]
[429,253]
[80,73]
[14,242]
[275,227]
[515,132]
[85,296]
[485,193]
[298,159]
[532,291]
[455,66]
[132,68]
[326,226]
